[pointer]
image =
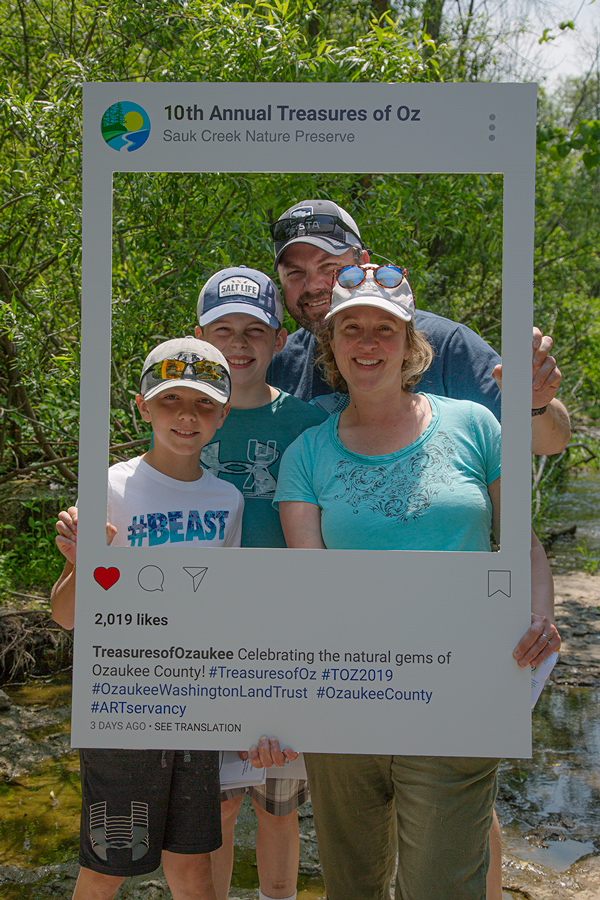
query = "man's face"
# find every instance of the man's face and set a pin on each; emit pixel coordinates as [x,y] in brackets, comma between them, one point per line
[306,275]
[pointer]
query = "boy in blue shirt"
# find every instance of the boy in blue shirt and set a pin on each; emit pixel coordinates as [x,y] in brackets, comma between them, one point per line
[240,312]
[141,806]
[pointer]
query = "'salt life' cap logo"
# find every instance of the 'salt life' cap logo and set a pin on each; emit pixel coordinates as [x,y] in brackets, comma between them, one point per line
[125,126]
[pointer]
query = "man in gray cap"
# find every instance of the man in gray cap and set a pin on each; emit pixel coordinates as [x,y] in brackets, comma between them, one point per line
[312,239]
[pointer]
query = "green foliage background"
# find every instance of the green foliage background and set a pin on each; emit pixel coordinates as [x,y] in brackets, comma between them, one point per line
[170,232]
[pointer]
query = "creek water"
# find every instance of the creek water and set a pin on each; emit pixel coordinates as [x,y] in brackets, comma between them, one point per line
[578,505]
[549,806]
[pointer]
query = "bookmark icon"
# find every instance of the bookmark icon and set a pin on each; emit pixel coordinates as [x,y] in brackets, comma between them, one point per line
[499,582]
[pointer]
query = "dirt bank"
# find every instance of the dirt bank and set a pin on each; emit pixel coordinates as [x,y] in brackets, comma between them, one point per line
[577,606]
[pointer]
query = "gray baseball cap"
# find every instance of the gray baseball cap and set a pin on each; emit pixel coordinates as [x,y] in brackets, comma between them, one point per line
[321,223]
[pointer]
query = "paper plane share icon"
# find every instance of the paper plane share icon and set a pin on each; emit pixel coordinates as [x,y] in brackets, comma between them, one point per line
[196,574]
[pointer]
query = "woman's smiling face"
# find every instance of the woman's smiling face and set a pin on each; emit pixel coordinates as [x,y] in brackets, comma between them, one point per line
[370,346]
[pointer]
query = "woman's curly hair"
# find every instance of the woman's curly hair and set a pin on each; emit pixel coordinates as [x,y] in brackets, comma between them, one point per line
[417,362]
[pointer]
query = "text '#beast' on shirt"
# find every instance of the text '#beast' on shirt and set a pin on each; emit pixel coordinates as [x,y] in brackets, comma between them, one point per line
[160,528]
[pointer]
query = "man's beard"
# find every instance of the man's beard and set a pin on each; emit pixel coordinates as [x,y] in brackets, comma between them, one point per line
[303,318]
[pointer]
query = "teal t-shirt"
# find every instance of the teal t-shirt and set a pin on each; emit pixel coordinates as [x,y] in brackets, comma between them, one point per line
[431,495]
[247,451]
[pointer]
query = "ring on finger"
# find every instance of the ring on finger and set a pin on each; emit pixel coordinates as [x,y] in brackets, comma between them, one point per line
[545,636]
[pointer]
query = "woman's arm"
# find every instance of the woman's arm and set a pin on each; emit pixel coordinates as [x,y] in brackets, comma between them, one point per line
[301,523]
[541,638]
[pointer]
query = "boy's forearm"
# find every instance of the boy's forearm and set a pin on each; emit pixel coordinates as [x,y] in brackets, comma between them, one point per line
[62,597]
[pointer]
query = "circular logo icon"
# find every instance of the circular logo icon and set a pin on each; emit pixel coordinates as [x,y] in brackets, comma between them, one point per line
[125,126]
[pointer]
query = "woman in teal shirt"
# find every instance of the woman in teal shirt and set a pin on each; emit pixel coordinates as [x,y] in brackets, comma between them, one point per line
[399,470]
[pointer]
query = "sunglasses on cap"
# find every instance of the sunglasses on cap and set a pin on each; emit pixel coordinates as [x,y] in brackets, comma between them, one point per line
[199,370]
[387,276]
[320,223]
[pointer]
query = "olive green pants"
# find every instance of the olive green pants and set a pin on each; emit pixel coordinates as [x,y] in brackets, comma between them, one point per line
[435,811]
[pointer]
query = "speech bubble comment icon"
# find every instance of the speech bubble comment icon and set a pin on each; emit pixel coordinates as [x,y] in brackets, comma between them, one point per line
[151,578]
[106,577]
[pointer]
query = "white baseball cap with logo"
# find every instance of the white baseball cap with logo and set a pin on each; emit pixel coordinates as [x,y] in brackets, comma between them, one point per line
[240,289]
[398,301]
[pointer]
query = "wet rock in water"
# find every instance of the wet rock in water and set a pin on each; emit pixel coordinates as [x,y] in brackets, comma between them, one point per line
[58,882]
[531,881]
[507,794]
[20,749]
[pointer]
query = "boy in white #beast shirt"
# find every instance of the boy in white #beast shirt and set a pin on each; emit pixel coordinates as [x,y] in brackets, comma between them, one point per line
[171,797]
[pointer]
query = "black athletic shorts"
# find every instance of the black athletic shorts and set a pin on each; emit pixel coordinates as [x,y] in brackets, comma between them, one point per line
[135,803]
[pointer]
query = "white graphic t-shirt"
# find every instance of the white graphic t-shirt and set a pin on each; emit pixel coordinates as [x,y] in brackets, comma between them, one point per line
[150,509]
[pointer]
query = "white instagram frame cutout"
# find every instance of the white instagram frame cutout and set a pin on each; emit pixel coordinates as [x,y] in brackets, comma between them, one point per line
[417,604]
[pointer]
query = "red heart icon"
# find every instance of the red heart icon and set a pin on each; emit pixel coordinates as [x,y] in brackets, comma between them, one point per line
[106,577]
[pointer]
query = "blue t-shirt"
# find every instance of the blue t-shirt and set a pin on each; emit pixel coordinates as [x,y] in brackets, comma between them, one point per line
[431,495]
[247,451]
[461,368]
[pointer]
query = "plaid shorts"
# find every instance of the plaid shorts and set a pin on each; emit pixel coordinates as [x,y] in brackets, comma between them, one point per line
[277,796]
